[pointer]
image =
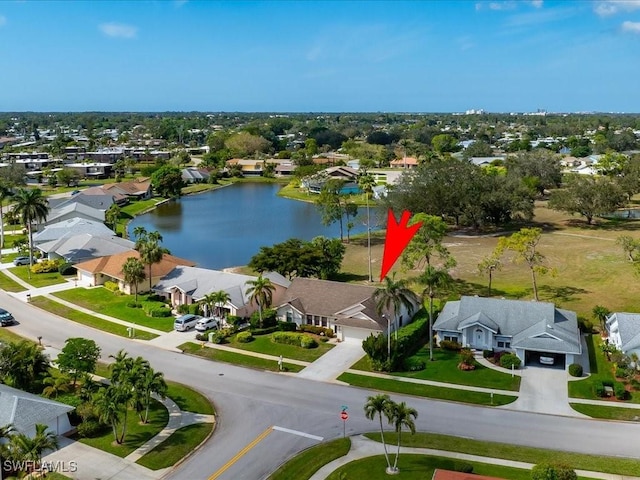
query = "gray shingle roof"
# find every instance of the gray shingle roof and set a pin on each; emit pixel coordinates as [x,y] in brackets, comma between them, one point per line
[24,410]
[629,328]
[77,248]
[532,325]
[62,210]
[72,226]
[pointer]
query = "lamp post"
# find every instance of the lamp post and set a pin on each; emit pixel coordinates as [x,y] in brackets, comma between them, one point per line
[388,337]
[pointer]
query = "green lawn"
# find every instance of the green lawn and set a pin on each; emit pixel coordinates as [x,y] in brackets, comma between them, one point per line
[89,320]
[188,399]
[419,467]
[444,368]
[441,393]
[508,451]
[7,335]
[37,279]
[137,207]
[612,412]
[308,462]
[236,358]
[264,344]
[109,303]
[137,434]
[10,285]
[601,369]
[181,443]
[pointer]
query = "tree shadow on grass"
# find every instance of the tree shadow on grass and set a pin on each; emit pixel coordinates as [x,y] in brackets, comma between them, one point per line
[562,293]
[463,287]
[349,277]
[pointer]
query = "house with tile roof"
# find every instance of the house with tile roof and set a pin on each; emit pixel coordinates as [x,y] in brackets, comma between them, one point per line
[139,189]
[24,410]
[529,329]
[440,474]
[109,268]
[624,332]
[348,309]
[187,285]
[404,162]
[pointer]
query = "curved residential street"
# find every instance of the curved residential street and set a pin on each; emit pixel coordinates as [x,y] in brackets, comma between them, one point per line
[250,402]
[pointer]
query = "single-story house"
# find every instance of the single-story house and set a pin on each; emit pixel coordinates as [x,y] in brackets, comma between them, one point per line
[440,474]
[84,246]
[349,310]
[405,162]
[72,226]
[195,175]
[186,285]
[139,189]
[92,170]
[109,268]
[530,329]
[73,210]
[624,332]
[250,167]
[24,410]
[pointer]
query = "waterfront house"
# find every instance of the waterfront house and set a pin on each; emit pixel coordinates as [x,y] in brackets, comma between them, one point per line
[624,332]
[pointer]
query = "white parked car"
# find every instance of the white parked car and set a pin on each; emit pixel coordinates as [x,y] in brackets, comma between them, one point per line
[186,322]
[206,323]
[547,360]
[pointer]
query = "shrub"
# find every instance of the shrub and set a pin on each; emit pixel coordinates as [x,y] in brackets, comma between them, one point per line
[598,388]
[497,356]
[548,471]
[635,384]
[308,342]
[620,372]
[183,309]
[244,337]
[193,309]
[67,269]
[111,286]
[160,312]
[317,330]
[89,428]
[269,318]
[487,353]
[134,305]
[414,364]
[509,360]
[575,370]
[45,266]
[466,357]
[619,391]
[287,326]
[155,298]
[263,331]
[202,337]
[287,338]
[450,345]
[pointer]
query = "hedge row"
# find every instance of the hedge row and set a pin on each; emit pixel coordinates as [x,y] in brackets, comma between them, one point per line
[297,339]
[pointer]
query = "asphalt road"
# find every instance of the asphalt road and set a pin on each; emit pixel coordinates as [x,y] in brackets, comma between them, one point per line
[249,402]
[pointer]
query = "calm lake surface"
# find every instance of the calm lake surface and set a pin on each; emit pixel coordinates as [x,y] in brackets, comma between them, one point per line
[226,227]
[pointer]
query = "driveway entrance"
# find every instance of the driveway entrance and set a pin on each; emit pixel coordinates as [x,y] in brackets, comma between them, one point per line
[331,365]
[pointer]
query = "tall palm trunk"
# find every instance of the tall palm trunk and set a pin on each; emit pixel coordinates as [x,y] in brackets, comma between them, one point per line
[490,278]
[384,444]
[395,463]
[30,249]
[124,425]
[431,324]
[1,230]
[368,236]
[535,285]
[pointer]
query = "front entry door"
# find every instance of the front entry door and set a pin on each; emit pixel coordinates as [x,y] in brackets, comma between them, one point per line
[479,340]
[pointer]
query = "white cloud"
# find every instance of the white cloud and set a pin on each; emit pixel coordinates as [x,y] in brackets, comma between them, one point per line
[118,30]
[536,3]
[507,5]
[631,27]
[611,7]
[3,20]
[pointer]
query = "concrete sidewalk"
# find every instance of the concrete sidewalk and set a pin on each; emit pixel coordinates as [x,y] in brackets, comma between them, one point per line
[362,447]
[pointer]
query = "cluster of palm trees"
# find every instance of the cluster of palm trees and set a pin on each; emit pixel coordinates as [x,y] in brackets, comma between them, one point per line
[214,302]
[23,365]
[20,453]
[132,384]
[261,291]
[148,245]
[398,415]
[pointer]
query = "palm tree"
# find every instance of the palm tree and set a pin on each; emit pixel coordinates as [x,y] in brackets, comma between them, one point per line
[366,183]
[30,449]
[400,415]
[601,313]
[5,434]
[133,270]
[56,383]
[31,207]
[377,405]
[215,300]
[108,408]
[433,278]
[151,382]
[22,365]
[260,291]
[5,193]
[390,298]
[150,250]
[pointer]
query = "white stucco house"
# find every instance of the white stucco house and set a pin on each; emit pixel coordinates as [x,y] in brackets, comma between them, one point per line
[24,410]
[528,329]
[624,332]
[348,309]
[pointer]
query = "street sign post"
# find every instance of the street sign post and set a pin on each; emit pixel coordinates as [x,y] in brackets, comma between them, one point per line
[344,416]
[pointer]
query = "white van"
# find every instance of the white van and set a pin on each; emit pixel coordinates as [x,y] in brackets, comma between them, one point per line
[186,322]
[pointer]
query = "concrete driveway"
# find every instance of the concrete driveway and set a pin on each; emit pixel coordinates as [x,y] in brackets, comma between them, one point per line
[331,365]
[544,390]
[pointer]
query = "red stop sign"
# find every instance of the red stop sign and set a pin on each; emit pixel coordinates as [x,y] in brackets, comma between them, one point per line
[344,416]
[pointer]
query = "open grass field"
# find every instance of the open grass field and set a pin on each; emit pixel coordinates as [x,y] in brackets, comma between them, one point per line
[590,269]
[264,344]
[37,279]
[103,301]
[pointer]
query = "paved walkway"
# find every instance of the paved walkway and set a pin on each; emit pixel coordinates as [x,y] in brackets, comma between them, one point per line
[362,447]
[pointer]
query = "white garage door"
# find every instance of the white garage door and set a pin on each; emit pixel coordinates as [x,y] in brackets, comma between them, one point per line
[352,334]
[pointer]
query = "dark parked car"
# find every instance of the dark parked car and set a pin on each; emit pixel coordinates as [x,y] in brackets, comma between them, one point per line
[21,261]
[6,318]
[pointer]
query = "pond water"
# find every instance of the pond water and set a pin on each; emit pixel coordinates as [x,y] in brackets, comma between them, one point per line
[226,227]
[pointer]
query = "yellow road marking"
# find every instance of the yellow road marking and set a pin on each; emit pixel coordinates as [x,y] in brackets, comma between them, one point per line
[241,453]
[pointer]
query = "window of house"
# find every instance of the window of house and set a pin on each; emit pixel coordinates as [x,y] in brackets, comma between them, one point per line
[507,344]
[309,320]
[449,338]
[289,316]
[323,321]
[500,344]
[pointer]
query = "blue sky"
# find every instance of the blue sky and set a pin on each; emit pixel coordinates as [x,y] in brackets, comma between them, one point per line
[335,56]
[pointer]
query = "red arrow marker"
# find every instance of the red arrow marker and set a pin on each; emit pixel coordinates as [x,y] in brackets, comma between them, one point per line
[396,240]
